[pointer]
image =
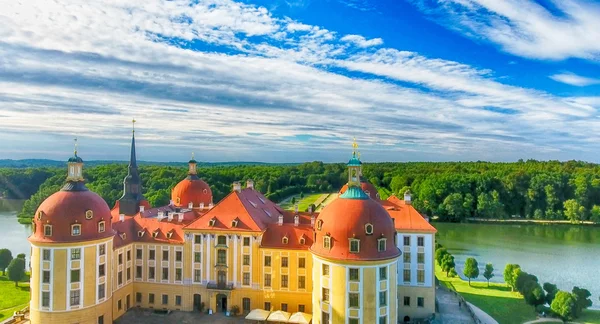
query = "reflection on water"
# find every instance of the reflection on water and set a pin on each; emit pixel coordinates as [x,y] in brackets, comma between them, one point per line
[561,254]
[14,235]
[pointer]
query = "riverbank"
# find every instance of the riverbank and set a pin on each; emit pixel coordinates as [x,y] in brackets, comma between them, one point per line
[522,221]
[500,302]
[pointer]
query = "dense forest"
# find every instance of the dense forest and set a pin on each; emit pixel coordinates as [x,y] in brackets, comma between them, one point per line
[453,191]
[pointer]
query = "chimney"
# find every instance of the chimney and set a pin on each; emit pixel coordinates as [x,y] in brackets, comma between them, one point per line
[161,215]
[170,202]
[202,205]
[121,217]
[296,208]
[169,216]
[191,205]
[250,184]
[296,220]
[237,186]
[312,220]
[210,206]
[142,209]
[310,208]
[280,220]
[180,217]
[407,197]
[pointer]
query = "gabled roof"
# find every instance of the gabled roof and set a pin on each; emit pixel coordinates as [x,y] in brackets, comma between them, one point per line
[406,217]
[273,236]
[253,211]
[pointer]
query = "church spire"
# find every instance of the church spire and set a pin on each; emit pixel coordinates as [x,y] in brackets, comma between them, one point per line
[129,203]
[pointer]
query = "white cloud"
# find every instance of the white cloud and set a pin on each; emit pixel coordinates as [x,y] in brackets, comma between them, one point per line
[574,79]
[87,68]
[361,41]
[524,27]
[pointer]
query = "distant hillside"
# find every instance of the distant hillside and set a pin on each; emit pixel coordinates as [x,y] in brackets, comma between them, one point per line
[38,163]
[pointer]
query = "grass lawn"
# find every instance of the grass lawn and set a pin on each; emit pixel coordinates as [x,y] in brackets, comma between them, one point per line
[589,317]
[12,298]
[497,300]
[302,203]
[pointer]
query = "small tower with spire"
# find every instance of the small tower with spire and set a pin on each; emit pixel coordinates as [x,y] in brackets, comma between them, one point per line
[354,167]
[192,172]
[129,203]
[75,163]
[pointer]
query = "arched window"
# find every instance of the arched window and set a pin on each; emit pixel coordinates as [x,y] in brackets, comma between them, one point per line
[75,229]
[327,242]
[319,224]
[101,227]
[369,229]
[284,240]
[381,244]
[40,215]
[89,214]
[302,241]
[178,201]
[205,191]
[47,230]
[354,245]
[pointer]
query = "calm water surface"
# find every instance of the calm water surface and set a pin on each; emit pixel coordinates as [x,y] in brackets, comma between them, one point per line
[561,254]
[13,235]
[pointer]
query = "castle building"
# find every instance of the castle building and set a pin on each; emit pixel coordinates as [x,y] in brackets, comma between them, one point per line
[360,260]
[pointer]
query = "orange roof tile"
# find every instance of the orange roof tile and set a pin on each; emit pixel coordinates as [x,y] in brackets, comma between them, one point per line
[405,216]
[273,236]
[252,210]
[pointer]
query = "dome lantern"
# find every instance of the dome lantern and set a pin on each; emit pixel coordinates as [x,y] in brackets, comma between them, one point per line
[192,166]
[75,167]
[354,167]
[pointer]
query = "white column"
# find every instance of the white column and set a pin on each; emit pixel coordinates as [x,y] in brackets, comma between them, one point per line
[207,258]
[235,258]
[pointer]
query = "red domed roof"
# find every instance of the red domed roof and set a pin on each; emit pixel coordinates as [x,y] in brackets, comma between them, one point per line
[191,189]
[69,207]
[346,218]
[367,187]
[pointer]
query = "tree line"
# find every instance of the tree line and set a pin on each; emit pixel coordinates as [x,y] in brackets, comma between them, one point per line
[453,191]
[15,266]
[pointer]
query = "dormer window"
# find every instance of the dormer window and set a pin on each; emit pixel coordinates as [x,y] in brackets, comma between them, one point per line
[381,244]
[123,236]
[40,215]
[234,223]
[47,230]
[155,234]
[211,222]
[89,214]
[302,241]
[284,240]
[141,233]
[178,201]
[369,229]
[354,245]
[101,227]
[368,193]
[169,234]
[319,224]
[327,242]
[205,191]
[75,229]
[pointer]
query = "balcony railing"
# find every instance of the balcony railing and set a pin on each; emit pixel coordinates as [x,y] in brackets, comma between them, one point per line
[219,286]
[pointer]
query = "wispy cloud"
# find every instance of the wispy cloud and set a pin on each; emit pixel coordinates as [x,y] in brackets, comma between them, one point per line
[362,5]
[361,41]
[574,79]
[569,28]
[212,74]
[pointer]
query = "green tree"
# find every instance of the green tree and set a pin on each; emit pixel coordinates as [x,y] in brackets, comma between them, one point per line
[21,255]
[595,214]
[573,211]
[534,294]
[453,206]
[5,258]
[439,254]
[16,270]
[551,291]
[564,305]
[293,200]
[301,195]
[471,269]
[582,300]
[488,273]
[511,271]
[448,263]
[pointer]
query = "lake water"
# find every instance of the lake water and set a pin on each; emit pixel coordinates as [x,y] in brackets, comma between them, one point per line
[13,235]
[564,255]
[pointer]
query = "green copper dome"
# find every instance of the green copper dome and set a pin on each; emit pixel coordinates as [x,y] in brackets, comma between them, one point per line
[354,193]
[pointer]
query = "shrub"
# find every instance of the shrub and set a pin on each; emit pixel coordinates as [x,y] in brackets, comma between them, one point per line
[235,310]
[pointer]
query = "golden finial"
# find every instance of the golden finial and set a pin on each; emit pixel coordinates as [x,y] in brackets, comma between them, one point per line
[133,125]
[192,155]
[75,145]
[354,147]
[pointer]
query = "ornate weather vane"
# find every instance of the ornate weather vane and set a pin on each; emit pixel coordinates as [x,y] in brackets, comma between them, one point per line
[75,145]
[354,147]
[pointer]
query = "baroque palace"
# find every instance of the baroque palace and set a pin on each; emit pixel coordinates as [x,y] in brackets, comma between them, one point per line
[360,260]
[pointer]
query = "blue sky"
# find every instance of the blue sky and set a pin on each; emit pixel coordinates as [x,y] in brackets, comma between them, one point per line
[296,80]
